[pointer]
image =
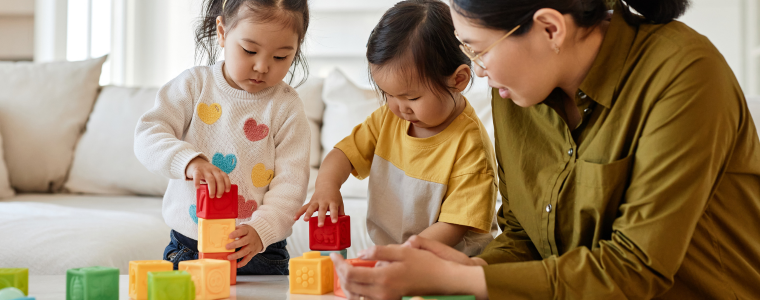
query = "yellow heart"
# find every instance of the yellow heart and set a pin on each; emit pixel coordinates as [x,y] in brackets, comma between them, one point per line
[260,176]
[209,114]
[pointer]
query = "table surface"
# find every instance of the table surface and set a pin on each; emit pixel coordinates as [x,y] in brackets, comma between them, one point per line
[53,287]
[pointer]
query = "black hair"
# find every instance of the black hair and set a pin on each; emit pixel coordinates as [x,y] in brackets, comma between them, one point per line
[417,34]
[292,13]
[507,14]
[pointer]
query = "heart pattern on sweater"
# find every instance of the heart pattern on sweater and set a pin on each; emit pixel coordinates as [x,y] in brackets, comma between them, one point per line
[255,132]
[225,163]
[260,176]
[246,208]
[194,213]
[209,114]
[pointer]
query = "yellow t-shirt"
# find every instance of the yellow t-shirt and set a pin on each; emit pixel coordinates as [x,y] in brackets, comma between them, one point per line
[414,182]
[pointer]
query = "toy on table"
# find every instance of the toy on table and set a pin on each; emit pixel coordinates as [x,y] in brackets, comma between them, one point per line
[138,276]
[170,285]
[216,220]
[211,277]
[15,277]
[337,290]
[331,236]
[311,274]
[222,256]
[91,283]
[458,297]
[11,293]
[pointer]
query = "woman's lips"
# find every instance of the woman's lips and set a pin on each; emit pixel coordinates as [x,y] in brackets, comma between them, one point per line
[504,93]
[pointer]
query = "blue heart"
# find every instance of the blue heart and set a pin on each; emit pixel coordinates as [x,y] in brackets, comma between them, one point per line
[225,163]
[193,214]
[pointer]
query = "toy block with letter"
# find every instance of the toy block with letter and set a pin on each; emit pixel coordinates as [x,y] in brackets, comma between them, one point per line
[92,283]
[138,276]
[343,253]
[222,256]
[213,235]
[15,277]
[225,207]
[332,236]
[170,285]
[337,290]
[211,277]
[311,274]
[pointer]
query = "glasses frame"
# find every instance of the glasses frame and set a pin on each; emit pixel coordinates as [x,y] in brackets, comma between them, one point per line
[477,58]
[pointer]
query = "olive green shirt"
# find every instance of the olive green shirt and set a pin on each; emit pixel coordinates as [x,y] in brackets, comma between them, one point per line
[656,194]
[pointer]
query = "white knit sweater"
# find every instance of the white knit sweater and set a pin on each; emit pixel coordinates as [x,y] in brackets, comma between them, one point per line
[255,138]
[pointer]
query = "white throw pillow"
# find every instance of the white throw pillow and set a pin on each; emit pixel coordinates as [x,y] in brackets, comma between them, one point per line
[5,186]
[754,109]
[311,95]
[104,161]
[43,110]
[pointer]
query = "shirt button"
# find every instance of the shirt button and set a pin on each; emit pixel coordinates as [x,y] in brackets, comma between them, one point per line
[549,208]
[587,110]
[570,152]
[582,95]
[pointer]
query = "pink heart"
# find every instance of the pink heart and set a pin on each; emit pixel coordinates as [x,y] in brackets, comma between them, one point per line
[255,132]
[246,208]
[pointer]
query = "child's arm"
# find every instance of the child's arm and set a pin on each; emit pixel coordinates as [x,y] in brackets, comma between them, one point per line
[332,174]
[449,234]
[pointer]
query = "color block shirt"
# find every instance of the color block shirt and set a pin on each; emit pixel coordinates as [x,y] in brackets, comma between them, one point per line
[261,140]
[655,195]
[416,182]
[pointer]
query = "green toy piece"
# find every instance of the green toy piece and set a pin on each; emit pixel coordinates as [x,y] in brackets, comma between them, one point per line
[15,277]
[11,293]
[92,283]
[343,252]
[170,285]
[458,297]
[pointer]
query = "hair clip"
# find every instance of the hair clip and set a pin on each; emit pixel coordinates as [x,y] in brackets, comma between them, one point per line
[224,4]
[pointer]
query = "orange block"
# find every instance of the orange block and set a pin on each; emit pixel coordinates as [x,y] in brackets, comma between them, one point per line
[211,277]
[337,290]
[213,235]
[223,256]
[311,274]
[138,276]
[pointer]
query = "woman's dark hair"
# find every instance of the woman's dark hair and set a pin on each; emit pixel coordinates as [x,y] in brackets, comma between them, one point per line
[291,13]
[507,14]
[417,37]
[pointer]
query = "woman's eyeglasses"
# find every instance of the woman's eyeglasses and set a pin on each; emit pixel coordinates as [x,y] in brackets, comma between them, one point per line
[478,58]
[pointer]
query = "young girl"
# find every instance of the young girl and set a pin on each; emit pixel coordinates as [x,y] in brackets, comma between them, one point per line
[428,157]
[235,122]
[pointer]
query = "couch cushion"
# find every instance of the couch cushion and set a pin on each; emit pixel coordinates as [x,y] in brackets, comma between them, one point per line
[311,95]
[5,185]
[104,160]
[754,109]
[43,110]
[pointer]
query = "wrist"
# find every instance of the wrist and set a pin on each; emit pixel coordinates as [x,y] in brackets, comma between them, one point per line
[468,280]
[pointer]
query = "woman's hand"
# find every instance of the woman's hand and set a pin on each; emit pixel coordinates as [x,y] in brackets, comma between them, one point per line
[200,169]
[249,242]
[441,250]
[324,199]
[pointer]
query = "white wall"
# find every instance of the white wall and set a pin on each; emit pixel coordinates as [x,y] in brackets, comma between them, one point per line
[16,30]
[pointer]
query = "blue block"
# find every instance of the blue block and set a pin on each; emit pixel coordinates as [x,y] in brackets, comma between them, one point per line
[343,252]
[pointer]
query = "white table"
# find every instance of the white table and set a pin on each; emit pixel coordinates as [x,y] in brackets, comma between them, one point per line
[53,287]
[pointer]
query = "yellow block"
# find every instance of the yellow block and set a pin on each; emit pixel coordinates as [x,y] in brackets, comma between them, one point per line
[138,276]
[213,235]
[211,277]
[311,274]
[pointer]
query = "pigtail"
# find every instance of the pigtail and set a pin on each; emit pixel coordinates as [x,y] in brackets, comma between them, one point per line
[205,31]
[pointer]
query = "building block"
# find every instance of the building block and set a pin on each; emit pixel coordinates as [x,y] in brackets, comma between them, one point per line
[213,235]
[223,256]
[311,274]
[11,293]
[225,207]
[459,297]
[337,290]
[170,285]
[15,277]
[332,236]
[211,277]
[343,253]
[138,276]
[92,283]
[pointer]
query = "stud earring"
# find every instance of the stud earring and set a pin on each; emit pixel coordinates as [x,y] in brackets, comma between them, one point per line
[556,49]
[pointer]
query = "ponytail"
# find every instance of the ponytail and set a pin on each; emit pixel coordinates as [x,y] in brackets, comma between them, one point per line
[654,11]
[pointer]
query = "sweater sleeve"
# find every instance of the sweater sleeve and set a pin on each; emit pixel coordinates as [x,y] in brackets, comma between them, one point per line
[273,220]
[158,136]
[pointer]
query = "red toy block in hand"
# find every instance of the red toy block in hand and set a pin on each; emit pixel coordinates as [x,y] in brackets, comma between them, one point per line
[337,290]
[225,207]
[332,236]
[222,256]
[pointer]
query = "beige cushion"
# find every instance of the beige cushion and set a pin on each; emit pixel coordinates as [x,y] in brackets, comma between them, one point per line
[754,109]
[311,95]
[5,185]
[104,161]
[43,110]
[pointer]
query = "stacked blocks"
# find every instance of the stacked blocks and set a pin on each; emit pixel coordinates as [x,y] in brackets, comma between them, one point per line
[92,283]
[15,277]
[311,274]
[216,220]
[356,263]
[171,285]
[138,276]
[332,236]
[211,277]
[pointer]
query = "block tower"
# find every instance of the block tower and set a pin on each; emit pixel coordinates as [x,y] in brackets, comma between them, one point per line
[314,273]
[216,220]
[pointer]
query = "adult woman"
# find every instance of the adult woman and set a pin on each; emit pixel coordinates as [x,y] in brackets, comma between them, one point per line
[629,164]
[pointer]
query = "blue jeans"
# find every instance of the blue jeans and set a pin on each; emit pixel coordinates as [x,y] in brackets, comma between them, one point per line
[273,261]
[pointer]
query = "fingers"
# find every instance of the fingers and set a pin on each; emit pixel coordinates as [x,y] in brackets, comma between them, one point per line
[334,212]
[310,211]
[227,182]
[211,183]
[246,260]
[221,184]
[321,216]
[301,211]
[439,249]
[384,253]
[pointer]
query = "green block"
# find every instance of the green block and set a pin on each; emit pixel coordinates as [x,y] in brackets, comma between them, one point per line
[15,277]
[343,252]
[92,283]
[459,297]
[11,293]
[170,285]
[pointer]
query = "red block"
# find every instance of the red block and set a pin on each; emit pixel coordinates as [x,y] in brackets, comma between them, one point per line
[223,256]
[225,207]
[337,290]
[332,236]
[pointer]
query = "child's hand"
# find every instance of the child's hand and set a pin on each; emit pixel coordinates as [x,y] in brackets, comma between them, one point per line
[248,241]
[200,169]
[323,199]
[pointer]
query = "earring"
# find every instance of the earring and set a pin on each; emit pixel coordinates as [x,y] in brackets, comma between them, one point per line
[556,49]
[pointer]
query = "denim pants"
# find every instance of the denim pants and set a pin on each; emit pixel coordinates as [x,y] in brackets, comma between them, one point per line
[273,261]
